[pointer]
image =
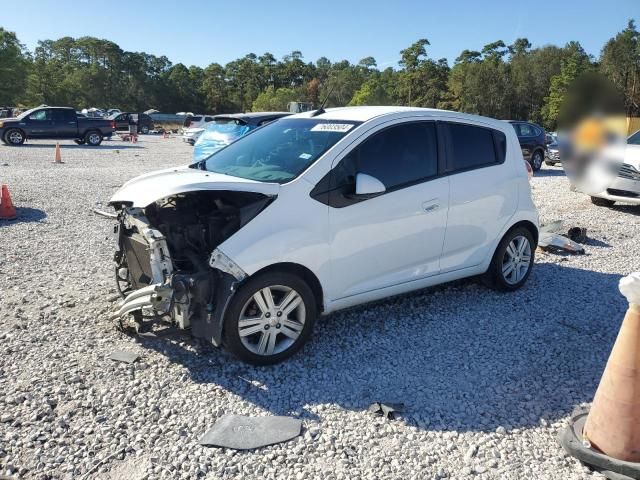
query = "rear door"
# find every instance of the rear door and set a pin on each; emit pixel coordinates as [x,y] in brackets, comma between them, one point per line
[395,237]
[122,122]
[527,138]
[40,124]
[65,122]
[483,193]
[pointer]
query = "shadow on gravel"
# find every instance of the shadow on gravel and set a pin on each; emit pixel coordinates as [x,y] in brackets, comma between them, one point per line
[25,215]
[459,356]
[548,172]
[631,209]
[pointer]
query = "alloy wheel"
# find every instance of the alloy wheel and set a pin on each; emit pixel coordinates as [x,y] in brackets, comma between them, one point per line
[517,260]
[15,137]
[271,320]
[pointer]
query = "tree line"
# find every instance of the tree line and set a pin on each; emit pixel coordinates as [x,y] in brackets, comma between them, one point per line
[504,81]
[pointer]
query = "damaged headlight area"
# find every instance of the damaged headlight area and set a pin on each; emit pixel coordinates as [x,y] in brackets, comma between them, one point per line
[168,262]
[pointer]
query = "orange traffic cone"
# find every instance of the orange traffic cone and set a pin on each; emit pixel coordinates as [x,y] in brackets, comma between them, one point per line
[608,437]
[58,157]
[7,210]
[613,424]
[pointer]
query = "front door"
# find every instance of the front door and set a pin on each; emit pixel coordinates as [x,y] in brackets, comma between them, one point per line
[395,237]
[40,124]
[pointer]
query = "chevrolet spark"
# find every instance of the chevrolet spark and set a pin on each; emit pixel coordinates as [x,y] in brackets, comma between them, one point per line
[321,211]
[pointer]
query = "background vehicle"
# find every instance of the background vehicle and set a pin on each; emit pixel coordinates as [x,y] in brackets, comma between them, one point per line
[626,186]
[55,123]
[553,150]
[321,211]
[228,128]
[144,121]
[193,126]
[532,142]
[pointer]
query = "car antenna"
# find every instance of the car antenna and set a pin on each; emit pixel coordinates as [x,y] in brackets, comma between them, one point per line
[320,111]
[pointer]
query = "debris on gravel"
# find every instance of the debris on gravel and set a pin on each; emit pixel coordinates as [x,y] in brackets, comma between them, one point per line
[488,379]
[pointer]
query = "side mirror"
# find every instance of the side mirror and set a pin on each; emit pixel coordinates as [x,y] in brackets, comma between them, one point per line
[368,186]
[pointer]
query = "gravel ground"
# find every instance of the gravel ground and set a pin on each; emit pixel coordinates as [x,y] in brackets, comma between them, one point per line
[488,379]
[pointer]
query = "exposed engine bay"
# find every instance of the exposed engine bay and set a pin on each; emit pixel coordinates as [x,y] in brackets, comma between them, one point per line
[167,258]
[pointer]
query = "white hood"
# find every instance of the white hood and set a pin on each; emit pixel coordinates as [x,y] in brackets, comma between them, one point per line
[146,189]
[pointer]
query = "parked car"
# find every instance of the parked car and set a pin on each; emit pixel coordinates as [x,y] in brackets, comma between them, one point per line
[532,140]
[321,211]
[193,126]
[144,121]
[626,186]
[55,123]
[228,128]
[553,150]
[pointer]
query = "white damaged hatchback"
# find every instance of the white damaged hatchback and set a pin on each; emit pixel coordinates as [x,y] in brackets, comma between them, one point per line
[321,211]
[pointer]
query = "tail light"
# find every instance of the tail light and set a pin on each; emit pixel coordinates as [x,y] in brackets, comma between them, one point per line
[113,124]
[527,165]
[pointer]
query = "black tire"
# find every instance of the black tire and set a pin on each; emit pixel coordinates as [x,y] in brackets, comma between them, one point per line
[144,130]
[494,277]
[242,302]
[14,137]
[602,202]
[93,138]
[536,160]
[79,142]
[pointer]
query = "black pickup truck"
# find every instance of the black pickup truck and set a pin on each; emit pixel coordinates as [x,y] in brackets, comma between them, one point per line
[55,123]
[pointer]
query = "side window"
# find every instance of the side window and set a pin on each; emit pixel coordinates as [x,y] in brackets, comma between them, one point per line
[526,130]
[208,119]
[469,146]
[397,156]
[264,122]
[634,139]
[41,115]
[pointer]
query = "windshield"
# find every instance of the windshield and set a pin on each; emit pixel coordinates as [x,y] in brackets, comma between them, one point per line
[279,151]
[217,135]
[634,139]
[24,114]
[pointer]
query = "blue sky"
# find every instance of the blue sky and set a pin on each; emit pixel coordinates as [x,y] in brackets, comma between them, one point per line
[200,32]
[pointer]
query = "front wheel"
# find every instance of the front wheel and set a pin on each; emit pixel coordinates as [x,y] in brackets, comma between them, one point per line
[144,130]
[93,138]
[512,261]
[536,161]
[14,137]
[270,318]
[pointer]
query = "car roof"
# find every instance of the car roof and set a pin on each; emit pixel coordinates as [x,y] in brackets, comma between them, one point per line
[364,114]
[253,117]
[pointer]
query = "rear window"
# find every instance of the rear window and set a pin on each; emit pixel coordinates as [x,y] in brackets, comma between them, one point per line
[470,146]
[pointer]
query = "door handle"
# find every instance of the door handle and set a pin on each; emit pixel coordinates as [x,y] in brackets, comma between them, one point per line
[431,205]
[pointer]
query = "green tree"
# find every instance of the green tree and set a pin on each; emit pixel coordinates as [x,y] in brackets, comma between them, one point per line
[620,62]
[272,100]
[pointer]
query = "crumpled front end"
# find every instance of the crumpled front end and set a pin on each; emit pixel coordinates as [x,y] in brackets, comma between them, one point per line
[168,264]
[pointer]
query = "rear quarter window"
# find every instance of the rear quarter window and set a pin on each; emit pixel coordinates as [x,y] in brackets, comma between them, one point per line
[471,146]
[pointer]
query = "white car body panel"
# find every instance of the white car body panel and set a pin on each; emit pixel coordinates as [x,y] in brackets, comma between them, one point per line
[632,158]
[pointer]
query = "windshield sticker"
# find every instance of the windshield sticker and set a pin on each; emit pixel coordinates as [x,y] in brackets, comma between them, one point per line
[305,156]
[332,127]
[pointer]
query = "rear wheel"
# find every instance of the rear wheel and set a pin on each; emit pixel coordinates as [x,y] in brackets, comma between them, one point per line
[536,160]
[512,261]
[14,137]
[144,129]
[602,202]
[93,138]
[270,318]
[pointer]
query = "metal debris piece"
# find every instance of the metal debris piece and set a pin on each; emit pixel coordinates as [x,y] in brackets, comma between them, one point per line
[240,432]
[386,410]
[102,213]
[578,234]
[124,356]
[555,243]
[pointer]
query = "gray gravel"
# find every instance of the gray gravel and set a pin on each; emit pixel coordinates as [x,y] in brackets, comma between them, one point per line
[487,379]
